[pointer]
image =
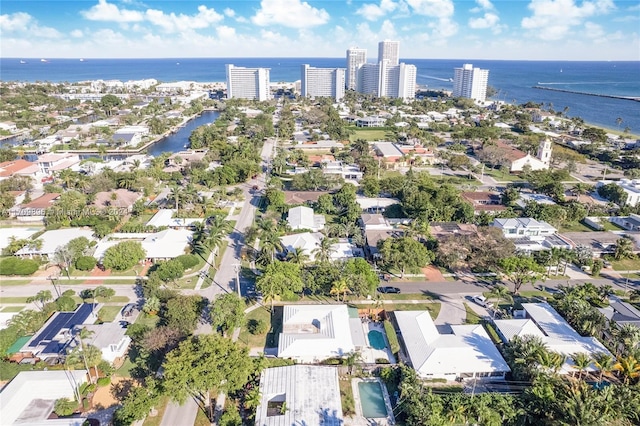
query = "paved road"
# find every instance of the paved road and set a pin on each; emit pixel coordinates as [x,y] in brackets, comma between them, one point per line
[225,278]
[180,415]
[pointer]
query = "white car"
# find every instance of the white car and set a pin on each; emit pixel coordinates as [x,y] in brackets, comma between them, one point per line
[482,301]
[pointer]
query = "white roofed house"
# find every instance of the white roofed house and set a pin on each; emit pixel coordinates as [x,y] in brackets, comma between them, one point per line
[558,336]
[530,235]
[52,162]
[350,172]
[311,333]
[163,245]
[51,240]
[299,395]
[305,243]
[111,339]
[303,218]
[466,353]
[164,217]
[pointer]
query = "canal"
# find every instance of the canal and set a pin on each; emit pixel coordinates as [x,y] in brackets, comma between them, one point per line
[177,141]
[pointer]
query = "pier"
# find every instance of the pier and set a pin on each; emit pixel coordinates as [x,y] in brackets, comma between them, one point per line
[553,89]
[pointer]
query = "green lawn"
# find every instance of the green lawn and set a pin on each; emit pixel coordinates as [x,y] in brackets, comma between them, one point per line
[108,313]
[433,308]
[575,227]
[626,264]
[125,368]
[149,320]
[608,226]
[472,317]
[491,331]
[369,134]
[14,299]
[346,395]
[255,340]
[161,407]
[14,281]
[12,309]
[501,176]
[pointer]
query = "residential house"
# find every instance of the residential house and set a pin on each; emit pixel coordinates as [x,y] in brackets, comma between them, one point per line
[179,160]
[375,205]
[59,334]
[345,171]
[164,218]
[312,333]
[376,228]
[484,202]
[30,397]
[158,246]
[8,126]
[111,339]
[51,240]
[621,313]
[531,235]
[35,210]
[388,151]
[118,198]
[18,168]
[305,242]
[558,336]
[599,242]
[15,232]
[630,223]
[302,217]
[302,197]
[527,197]
[371,121]
[52,162]
[299,395]
[126,139]
[630,186]
[465,353]
[441,230]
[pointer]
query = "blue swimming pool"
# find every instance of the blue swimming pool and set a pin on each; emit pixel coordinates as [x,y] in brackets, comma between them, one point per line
[372,400]
[376,340]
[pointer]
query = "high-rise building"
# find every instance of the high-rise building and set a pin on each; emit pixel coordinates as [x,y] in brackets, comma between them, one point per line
[470,82]
[389,51]
[355,59]
[322,82]
[248,83]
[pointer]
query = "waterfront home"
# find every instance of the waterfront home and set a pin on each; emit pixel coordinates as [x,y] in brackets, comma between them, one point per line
[18,168]
[53,162]
[465,353]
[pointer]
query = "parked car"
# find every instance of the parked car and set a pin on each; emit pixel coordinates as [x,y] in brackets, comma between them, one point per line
[388,289]
[128,310]
[482,301]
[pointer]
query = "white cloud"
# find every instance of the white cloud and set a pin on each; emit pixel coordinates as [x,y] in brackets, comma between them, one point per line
[104,11]
[77,33]
[552,19]
[373,12]
[434,8]
[14,22]
[289,13]
[225,32]
[176,23]
[21,22]
[388,31]
[229,12]
[593,31]
[489,20]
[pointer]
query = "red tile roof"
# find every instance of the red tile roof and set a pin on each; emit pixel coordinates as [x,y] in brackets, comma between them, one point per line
[42,202]
[9,168]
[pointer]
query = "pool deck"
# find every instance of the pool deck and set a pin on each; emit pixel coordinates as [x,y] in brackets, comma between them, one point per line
[369,354]
[359,419]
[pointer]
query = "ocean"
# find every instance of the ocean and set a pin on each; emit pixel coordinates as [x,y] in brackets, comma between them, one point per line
[514,80]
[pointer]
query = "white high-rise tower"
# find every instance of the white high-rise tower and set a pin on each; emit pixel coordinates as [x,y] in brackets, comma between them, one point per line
[322,82]
[389,51]
[470,82]
[248,83]
[356,57]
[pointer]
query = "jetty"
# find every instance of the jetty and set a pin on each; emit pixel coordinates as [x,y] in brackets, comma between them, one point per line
[553,89]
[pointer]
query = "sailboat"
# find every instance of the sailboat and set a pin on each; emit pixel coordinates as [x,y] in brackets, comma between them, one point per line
[560,69]
[43,60]
[23,62]
[81,60]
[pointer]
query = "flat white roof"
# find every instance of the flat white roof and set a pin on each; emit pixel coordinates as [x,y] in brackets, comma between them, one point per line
[51,240]
[554,331]
[367,203]
[467,350]
[164,217]
[17,233]
[315,332]
[311,394]
[166,244]
[28,399]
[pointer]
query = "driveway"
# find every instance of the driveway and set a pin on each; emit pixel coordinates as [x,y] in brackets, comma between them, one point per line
[452,312]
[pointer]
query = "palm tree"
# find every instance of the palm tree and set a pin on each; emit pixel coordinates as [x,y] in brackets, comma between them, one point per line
[83,334]
[500,292]
[624,249]
[550,361]
[581,362]
[629,335]
[42,296]
[323,251]
[605,291]
[629,368]
[297,256]
[270,243]
[604,362]
[339,287]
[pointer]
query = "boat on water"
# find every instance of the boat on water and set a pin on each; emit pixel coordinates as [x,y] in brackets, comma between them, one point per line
[81,60]
[23,62]
[43,60]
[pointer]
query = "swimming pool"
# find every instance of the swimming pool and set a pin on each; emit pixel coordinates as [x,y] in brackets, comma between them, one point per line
[376,340]
[372,400]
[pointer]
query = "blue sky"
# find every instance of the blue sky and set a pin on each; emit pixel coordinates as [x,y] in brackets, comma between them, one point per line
[439,29]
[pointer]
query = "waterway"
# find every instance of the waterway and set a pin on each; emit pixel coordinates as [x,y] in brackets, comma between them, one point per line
[177,141]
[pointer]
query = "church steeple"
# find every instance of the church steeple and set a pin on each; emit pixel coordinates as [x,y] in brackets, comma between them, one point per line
[544,151]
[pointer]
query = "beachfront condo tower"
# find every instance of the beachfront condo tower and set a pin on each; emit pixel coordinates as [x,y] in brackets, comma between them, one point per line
[470,82]
[322,82]
[389,51]
[248,83]
[355,59]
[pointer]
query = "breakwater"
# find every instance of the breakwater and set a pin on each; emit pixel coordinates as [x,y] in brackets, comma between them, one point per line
[553,89]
